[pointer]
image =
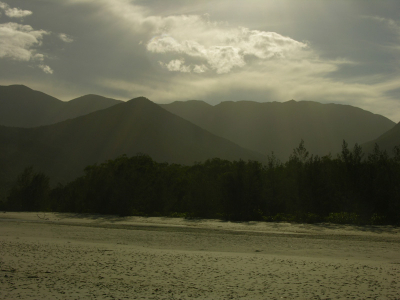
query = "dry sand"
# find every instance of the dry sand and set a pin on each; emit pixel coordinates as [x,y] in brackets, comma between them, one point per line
[69,256]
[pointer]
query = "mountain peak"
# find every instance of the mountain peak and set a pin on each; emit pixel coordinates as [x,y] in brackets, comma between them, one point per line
[20,106]
[93,98]
[18,86]
[139,99]
[191,102]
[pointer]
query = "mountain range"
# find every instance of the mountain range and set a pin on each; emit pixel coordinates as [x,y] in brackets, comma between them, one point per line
[64,149]
[62,138]
[386,141]
[21,106]
[279,127]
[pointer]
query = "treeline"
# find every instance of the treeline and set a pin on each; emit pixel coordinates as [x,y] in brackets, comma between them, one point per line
[350,188]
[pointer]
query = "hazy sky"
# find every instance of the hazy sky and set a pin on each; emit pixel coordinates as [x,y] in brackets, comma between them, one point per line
[344,52]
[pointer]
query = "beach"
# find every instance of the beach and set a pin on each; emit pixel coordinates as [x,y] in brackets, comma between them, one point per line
[78,256]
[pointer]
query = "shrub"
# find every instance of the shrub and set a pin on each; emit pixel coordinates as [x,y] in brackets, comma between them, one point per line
[311,218]
[343,218]
[377,219]
[280,217]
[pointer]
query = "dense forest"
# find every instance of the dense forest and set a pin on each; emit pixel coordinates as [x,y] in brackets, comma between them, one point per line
[351,188]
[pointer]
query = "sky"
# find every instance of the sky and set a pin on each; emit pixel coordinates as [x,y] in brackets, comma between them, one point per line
[342,51]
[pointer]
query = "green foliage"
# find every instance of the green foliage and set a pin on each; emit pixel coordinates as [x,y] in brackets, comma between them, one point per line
[299,218]
[281,217]
[185,215]
[310,218]
[343,218]
[300,154]
[349,189]
[377,219]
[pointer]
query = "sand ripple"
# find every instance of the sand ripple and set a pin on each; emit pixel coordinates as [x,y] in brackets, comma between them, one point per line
[44,261]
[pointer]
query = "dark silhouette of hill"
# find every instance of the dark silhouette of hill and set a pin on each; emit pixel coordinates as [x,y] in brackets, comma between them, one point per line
[386,141]
[279,127]
[84,105]
[21,106]
[64,149]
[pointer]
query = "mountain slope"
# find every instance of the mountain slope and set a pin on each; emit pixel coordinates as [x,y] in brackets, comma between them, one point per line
[62,150]
[21,106]
[279,127]
[84,105]
[386,141]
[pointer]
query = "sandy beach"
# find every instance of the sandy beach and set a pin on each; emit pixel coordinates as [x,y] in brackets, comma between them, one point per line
[75,256]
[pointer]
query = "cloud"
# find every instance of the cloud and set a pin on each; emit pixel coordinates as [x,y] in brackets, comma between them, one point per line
[220,58]
[284,80]
[215,61]
[17,13]
[38,57]
[200,69]
[215,45]
[273,82]
[14,12]
[391,24]
[65,38]
[177,65]
[18,41]
[223,49]
[46,69]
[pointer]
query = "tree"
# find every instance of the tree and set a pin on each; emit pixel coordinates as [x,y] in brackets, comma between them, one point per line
[30,192]
[345,155]
[300,154]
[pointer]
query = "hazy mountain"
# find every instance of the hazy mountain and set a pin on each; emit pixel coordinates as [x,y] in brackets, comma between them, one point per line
[279,127]
[62,150]
[84,105]
[21,106]
[386,141]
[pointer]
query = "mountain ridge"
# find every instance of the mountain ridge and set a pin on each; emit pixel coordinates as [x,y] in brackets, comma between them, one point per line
[21,106]
[386,142]
[279,127]
[64,149]
[262,127]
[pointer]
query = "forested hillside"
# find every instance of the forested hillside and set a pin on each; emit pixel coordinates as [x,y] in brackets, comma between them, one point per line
[137,158]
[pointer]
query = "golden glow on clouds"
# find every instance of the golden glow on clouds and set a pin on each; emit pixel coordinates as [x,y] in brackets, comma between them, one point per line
[170,50]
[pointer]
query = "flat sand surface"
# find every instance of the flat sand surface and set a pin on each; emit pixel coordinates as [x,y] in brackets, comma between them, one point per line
[75,256]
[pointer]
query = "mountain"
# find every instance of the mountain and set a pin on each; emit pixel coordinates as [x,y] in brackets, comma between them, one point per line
[84,105]
[21,106]
[64,149]
[279,127]
[386,141]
